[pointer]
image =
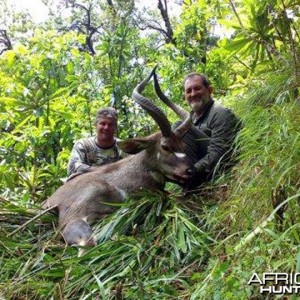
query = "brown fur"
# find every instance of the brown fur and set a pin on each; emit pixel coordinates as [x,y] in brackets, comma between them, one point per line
[91,196]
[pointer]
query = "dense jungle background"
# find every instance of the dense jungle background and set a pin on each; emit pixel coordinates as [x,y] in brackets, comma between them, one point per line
[87,54]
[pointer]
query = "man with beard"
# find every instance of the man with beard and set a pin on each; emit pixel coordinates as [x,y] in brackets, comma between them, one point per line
[97,150]
[210,141]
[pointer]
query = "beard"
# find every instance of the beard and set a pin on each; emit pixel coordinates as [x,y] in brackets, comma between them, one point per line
[199,104]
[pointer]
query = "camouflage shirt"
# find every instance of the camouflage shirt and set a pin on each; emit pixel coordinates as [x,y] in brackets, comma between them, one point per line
[87,153]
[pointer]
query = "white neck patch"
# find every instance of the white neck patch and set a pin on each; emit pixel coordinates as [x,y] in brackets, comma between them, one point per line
[180,154]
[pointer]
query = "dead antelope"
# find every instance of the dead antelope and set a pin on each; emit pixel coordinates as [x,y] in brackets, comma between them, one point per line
[157,158]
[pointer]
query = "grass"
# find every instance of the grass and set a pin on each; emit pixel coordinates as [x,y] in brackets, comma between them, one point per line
[166,246]
[149,247]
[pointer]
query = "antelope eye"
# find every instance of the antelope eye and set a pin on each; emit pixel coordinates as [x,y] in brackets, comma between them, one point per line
[165,147]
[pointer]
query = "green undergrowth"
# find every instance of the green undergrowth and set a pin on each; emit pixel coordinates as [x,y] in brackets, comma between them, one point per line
[259,220]
[169,246]
[158,246]
[149,248]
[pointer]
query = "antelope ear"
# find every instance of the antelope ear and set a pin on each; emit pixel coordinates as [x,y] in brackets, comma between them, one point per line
[133,146]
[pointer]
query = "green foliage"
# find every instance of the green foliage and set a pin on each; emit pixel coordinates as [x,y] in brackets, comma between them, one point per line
[261,213]
[268,145]
[36,102]
[156,239]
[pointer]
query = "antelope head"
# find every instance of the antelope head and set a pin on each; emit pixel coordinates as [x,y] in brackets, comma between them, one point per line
[166,150]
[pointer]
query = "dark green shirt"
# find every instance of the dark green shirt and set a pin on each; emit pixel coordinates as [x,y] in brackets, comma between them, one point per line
[221,126]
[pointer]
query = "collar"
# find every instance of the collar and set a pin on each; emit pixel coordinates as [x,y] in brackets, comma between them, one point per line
[105,148]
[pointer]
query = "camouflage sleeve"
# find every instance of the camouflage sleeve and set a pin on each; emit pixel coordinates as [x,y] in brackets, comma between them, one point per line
[121,153]
[78,159]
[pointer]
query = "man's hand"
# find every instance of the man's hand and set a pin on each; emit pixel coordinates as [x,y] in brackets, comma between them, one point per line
[83,169]
[192,172]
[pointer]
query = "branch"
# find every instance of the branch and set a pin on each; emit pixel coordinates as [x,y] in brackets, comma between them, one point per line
[86,27]
[30,221]
[292,42]
[155,25]
[5,40]
[111,5]
[82,6]
[161,30]
[165,15]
